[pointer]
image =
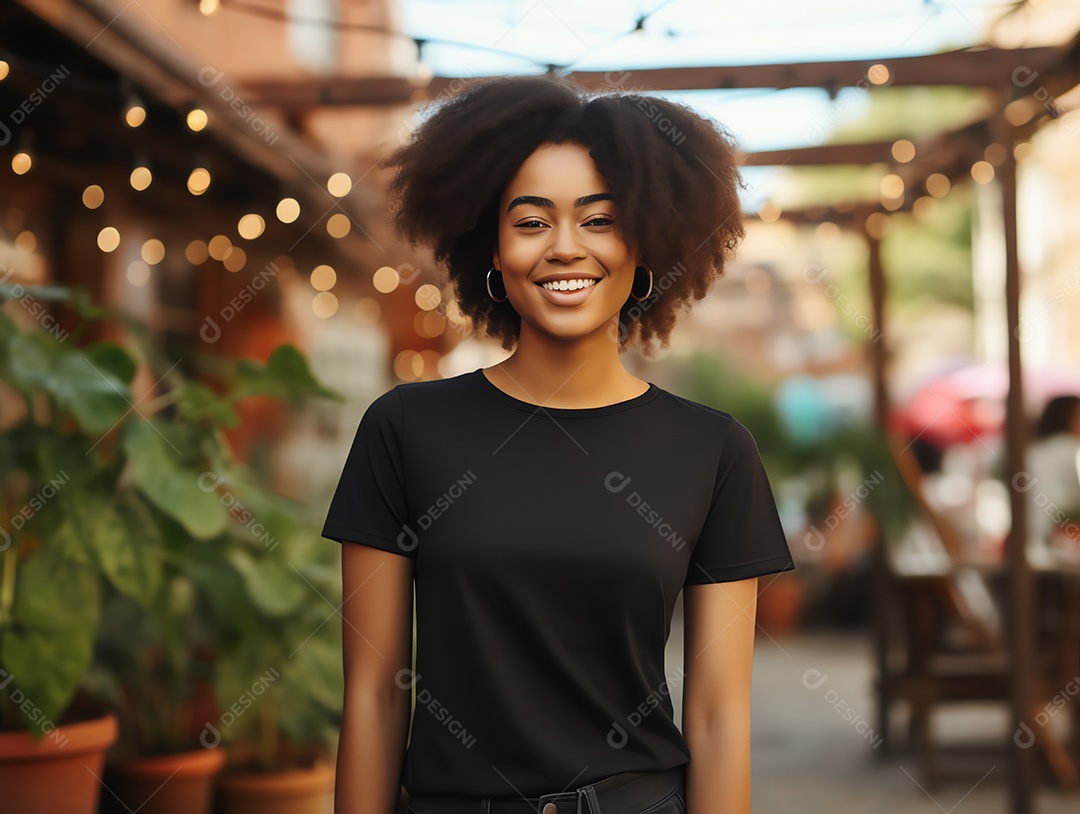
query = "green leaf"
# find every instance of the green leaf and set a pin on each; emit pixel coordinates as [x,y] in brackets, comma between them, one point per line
[49,649]
[274,588]
[315,669]
[189,497]
[94,385]
[127,548]
[286,375]
[199,403]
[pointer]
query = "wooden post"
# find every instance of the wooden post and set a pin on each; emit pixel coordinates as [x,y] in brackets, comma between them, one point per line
[1020,596]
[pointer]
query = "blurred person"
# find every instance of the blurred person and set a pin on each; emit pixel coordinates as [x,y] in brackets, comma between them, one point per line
[551,507]
[1053,470]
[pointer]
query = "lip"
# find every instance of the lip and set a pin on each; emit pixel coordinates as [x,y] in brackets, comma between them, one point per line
[568,297]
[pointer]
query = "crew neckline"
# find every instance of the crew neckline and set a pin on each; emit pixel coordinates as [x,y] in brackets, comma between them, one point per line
[563,412]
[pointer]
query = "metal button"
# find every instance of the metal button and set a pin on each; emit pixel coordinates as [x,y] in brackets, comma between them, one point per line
[550,808]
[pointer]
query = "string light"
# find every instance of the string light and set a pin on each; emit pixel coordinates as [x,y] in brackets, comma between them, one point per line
[251,226]
[323,278]
[135,114]
[385,279]
[197,120]
[198,181]
[938,185]
[288,210]
[26,241]
[769,212]
[982,172]
[892,186]
[878,74]
[235,259]
[93,196]
[5,69]
[153,252]
[338,225]
[21,163]
[428,297]
[196,252]
[324,304]
[408,365]
[209,7]
[219,247]
[138,273]
[141,178]
[903,151]
[339,184]
[108,239]
[875,224]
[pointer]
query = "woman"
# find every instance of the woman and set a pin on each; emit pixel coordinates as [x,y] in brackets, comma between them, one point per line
[1053,463]
[551,507]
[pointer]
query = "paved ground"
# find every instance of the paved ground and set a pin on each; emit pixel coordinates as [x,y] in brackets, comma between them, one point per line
[814,748]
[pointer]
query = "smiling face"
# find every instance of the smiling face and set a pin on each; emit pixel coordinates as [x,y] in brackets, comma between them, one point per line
[559,225]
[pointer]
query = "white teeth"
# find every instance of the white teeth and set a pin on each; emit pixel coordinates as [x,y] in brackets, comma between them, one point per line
[568,285]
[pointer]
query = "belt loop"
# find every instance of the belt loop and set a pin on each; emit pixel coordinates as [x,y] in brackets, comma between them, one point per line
[485,805]
[590,793]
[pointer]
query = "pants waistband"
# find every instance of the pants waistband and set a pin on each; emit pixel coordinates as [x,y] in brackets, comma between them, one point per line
[626,793]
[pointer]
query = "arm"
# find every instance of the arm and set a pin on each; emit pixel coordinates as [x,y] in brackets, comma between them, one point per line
[719,621]
[376,644]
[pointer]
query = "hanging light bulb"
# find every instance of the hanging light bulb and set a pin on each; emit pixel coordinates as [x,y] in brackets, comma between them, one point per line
[209,7]
[288,210]
[198,181]
[197,119]
[141,177]
[21,162]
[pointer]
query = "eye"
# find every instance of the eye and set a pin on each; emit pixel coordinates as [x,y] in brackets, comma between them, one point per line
[530,224]
[599,220]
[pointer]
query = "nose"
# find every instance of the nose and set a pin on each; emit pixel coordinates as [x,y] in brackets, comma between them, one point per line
[564,246]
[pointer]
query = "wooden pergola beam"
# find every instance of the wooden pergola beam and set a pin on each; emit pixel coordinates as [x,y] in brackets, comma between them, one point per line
[1024,68]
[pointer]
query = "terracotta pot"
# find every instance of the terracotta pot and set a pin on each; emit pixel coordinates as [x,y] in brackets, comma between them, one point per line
[58,773]
[297,791]
[166,784]
[780,604]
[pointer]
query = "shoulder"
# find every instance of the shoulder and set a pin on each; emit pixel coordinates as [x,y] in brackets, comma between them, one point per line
[710,420]
[419,398]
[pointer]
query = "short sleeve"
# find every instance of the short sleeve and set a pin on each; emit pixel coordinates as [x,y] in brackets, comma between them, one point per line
[742,536]
[370,504]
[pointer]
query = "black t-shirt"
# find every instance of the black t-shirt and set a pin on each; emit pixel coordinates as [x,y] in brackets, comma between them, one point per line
[550,545]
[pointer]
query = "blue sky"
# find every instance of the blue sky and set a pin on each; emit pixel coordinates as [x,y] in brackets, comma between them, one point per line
[700,32]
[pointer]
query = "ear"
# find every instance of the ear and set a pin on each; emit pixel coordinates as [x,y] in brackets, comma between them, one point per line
[495,259]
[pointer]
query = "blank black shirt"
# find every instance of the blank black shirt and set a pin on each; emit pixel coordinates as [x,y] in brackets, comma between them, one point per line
[549,547]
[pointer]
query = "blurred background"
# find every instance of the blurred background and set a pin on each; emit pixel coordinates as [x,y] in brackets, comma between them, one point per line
[202,294]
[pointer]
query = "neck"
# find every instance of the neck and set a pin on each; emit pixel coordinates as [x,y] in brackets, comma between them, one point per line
[583,372]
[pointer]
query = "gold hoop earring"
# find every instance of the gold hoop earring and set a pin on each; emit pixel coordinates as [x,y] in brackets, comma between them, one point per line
[488,282]
[647,293]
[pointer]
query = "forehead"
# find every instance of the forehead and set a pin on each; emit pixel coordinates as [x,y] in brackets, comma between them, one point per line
[561,172]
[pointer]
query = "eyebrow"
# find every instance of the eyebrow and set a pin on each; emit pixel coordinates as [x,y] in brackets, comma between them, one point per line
[538,201]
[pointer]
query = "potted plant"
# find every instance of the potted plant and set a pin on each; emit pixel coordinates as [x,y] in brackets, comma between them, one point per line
[66,539]
[159,666]
[279,683]
[108,589]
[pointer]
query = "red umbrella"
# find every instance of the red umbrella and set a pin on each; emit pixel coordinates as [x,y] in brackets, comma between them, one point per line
[969,403]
